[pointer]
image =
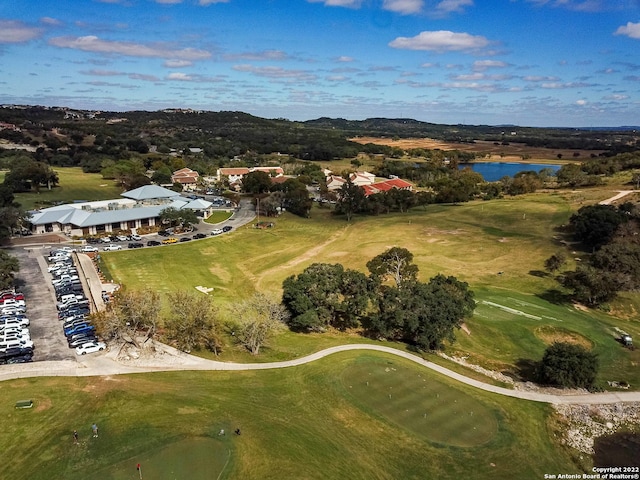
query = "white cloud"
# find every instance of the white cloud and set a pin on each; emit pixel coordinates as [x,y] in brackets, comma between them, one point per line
[168,2]
[276,72]
[479,65]
[204,3]
[339,3]
[539,78]
[344,59]
[631,30]
[581,102]
[179,76]
[448,6]
[50,21]
[259,56]
[577,5]
[177,63]
[442,41]
[403,7]
[617,97]
[92,43]
[429,65]
[17,32]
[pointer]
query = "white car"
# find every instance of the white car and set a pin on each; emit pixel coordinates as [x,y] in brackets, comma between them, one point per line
[90,347]
[89,249]
[11,302]
[112,247]
[217,231]
[135,237]
[122,238]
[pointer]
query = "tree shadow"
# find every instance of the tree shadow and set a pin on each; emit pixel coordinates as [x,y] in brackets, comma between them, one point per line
[555,296]
[538,273]
[527,369]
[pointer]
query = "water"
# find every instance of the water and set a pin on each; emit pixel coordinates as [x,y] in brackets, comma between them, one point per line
[493,171]
[617,450]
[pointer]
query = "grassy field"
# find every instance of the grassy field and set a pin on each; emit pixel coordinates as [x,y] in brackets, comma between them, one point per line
[498,247]
[75,185]
[218,217]
[313,421]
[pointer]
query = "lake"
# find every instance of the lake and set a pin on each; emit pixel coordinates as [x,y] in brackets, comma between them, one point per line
[493,171]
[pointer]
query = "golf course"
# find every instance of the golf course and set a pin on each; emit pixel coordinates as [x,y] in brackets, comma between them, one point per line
[356,414]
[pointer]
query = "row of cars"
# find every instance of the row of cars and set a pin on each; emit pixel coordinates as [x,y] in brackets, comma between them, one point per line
[15,339]
[73,306]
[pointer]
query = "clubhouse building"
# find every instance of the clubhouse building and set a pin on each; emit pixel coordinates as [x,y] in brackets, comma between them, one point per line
[140,207]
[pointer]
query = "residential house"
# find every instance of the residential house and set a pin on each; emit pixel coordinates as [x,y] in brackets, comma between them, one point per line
[186,177]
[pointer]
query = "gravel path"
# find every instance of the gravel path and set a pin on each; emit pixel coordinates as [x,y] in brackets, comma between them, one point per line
[170,359]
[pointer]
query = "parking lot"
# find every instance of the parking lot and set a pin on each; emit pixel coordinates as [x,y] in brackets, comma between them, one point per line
[34,281]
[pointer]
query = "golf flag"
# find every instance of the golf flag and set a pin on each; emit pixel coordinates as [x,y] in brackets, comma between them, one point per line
[138,468]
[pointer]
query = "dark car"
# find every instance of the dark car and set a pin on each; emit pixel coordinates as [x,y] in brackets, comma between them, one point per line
[153,243]
[227,228]
[185,239]
[20,359]
[15,352]
[163,233]
[135,245]
[199,235]
[82,328]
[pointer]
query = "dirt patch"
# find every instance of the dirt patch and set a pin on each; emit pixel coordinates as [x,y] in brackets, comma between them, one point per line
[465,329]
[550,334]
[51,238]
[43,404]
[514,151]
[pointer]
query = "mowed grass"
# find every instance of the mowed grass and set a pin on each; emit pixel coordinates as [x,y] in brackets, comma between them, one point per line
[431,409]
[74,185]
[302,422]
[498,247]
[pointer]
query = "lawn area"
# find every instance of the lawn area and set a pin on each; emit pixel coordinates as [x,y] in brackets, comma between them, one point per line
[498,247]
[75,185]
[218,217]
[312,421]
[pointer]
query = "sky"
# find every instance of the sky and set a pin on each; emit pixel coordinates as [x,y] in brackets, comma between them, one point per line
[558,63]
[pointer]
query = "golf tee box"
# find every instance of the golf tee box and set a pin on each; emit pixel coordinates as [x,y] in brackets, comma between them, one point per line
[24,404]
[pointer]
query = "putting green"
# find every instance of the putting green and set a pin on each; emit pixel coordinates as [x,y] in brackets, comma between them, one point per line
[193,458]
[417,402]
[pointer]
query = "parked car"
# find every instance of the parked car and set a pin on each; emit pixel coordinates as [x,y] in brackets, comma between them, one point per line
[122,238]
[135,237]
[75,343]
[89,249]
[217,231]
[85,327]
[4,345]
[135,245]
[169,240]
[90,348]
[153,243]
[112,247]
[163,233]
[227,228]
[185,239]
[106,239]
[199,235]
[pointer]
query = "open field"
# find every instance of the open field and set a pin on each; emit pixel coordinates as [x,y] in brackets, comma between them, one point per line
[505,153]
[311,421]
[498,247]
[74,185]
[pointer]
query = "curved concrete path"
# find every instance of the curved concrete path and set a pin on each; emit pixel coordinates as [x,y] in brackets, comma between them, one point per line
[96,365]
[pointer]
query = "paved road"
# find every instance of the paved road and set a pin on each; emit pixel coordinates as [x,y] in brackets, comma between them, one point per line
[101,364]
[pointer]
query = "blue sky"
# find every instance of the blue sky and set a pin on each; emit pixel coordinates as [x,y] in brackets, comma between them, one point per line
[525,62]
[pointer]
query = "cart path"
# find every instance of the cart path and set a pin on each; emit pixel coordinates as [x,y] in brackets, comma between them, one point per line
[621,193]
[103,365]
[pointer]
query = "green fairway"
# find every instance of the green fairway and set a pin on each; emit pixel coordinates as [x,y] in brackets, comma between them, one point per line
[194,458]
[417,402]
[498,247]
[296,422]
